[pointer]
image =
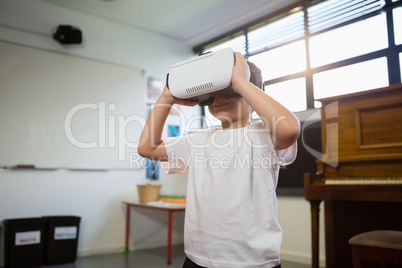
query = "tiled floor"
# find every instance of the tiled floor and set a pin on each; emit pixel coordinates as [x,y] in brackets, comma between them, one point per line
[147,258]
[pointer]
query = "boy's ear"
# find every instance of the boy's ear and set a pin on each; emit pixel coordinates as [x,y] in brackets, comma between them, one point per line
[256,76]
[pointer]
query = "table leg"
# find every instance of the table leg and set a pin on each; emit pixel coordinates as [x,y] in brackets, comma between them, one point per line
[127,248]
[169,253]
[315,230]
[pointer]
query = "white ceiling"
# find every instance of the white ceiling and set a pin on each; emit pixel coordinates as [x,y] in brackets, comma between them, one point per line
[192,21]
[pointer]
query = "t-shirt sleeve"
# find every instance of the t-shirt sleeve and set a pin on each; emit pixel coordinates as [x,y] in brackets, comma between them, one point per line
[285,156]
[177,151]
[288,155]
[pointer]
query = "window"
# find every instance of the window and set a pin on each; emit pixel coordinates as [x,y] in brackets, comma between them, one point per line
[400,62]
[321,48]
[352,78]
[349,41]
[397,13]
[290,93]
[281,61]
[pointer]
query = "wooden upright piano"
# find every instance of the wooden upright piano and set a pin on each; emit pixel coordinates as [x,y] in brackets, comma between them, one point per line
[359,176]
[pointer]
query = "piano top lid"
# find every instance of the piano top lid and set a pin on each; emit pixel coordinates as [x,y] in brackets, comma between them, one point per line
[361,93]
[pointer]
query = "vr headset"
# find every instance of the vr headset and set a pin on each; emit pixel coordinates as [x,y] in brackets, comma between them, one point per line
[202,77]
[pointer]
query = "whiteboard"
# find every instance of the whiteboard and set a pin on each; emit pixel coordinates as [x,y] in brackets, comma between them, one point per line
[61,111]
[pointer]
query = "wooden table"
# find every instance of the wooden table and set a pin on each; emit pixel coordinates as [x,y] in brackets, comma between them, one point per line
[170,211]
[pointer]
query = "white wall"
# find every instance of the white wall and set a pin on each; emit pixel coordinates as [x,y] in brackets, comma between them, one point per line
[97,196]
[294,218]
[103,39]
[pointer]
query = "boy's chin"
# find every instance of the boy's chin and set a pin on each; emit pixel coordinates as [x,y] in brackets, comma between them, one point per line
[224,118]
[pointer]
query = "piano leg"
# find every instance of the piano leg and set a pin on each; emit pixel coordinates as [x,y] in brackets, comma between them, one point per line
[315,220]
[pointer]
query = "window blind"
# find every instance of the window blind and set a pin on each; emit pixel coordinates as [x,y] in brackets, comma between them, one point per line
[284,28]
[278,32]
[236,41]
[334,12]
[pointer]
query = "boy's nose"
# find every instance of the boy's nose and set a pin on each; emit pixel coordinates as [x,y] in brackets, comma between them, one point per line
[218,97]
[207,102]
[212,99]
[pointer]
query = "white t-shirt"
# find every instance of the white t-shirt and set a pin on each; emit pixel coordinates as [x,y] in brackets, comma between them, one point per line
[231,210]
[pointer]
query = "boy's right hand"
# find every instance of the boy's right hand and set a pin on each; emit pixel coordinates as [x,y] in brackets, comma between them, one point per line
[170,99]
[151,143]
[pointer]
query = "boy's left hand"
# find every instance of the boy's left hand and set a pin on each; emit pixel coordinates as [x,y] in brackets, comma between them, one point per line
[240,73]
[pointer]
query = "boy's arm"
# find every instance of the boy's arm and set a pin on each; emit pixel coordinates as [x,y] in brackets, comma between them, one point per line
[284,125]
[151,144]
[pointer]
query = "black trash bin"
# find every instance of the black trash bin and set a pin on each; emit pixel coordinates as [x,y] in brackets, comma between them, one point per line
[61,239]
[23,242]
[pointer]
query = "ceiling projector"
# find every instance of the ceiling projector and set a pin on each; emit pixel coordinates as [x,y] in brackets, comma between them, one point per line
[202,77]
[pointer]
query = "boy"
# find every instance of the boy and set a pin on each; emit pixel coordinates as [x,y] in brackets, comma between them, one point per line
[231,218]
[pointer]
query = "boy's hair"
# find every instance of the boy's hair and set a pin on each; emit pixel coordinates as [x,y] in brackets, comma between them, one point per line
[255,75]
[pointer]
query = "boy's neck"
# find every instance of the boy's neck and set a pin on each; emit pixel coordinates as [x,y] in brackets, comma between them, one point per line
[236,124]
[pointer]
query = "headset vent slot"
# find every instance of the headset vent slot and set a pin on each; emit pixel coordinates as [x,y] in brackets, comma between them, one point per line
[199,88]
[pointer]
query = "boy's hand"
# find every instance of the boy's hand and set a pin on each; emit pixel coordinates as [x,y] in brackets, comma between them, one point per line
[170,99]
[240,73]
